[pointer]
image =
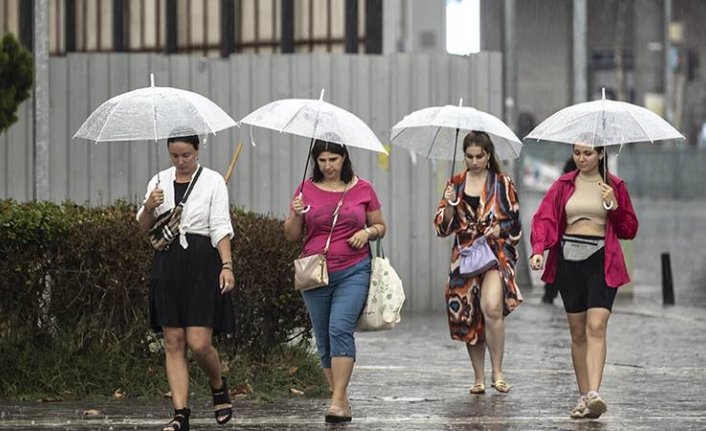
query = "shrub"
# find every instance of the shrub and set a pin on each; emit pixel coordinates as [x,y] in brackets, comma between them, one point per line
[75,280]
[15,78]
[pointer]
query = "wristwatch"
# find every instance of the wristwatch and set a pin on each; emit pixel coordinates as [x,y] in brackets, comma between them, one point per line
[368,231]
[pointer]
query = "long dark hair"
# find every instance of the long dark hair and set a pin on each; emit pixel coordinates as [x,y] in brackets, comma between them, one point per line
[595,141]
[482,140]
[320,146]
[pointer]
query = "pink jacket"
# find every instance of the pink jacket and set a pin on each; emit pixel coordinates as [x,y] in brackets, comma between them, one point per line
[549,224]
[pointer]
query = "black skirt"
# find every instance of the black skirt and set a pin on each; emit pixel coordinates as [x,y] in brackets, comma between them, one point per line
[184,288]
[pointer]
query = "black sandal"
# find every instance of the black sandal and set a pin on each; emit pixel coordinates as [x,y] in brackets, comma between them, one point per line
[180,421]
[222,406]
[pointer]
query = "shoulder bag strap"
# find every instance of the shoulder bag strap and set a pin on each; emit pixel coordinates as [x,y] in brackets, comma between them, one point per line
[335,219]
[191,186]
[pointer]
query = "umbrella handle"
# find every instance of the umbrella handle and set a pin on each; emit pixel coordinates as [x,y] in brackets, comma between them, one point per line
[307,208]
[454,203]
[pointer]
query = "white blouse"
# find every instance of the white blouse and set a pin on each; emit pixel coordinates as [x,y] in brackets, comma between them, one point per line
[206,211]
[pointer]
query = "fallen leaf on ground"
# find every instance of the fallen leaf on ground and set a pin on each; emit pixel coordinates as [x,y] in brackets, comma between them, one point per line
[293,371]
[91,413]
[167,394]
[296,391]
[119,393]
[243,389]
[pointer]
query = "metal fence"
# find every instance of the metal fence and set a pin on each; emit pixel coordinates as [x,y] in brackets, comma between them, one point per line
[202,27]
[379,89]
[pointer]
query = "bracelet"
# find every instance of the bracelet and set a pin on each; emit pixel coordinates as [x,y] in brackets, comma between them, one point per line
[227,268]
[227,262]
[376,231]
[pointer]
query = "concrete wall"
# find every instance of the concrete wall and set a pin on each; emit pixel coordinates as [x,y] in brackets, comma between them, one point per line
[414,26]
[543,50]
[544,36]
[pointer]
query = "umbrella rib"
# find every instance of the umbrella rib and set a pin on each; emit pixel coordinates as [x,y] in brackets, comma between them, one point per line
[112,111]
[304,105]
[338,126]
[197,111]
[640,126]
[433,141]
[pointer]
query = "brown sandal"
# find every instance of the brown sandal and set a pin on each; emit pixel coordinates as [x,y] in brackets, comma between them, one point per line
[477,389]
[501,385]
[337,414]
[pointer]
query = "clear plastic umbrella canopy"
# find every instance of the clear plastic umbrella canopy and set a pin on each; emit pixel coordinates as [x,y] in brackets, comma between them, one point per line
[603,123]
[153,113]
[315,119]
[438,132]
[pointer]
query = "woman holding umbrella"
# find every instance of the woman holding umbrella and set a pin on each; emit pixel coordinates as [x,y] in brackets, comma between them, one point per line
[481,204]
[580,220]
[334,308]
[191,278]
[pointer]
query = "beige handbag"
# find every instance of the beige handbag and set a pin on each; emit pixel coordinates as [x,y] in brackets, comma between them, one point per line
[311,272]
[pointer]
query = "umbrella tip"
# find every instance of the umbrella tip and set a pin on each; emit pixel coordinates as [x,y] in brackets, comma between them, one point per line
[321,97]
[151,79]
[603,92]
[460,102]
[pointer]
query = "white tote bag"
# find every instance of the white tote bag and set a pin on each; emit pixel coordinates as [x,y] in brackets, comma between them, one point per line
[385,296]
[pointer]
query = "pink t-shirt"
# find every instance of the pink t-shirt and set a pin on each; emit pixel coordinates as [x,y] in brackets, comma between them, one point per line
[359,200]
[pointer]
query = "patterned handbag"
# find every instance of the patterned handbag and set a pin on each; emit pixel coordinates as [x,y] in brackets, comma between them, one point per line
[166,228]
[385,296]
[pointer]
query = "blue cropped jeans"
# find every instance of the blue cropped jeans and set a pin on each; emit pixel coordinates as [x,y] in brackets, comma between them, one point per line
[334,310]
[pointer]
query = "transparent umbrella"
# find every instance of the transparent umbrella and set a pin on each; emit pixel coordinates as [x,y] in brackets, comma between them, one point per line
[435,132]
[315,119]
[153,113]
[604,123]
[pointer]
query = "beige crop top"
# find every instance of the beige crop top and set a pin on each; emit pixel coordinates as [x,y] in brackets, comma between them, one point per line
[586,203]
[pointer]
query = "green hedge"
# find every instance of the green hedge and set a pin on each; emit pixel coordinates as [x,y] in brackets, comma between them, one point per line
[76,279]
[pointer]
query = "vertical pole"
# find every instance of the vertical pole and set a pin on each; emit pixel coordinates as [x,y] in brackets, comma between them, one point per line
[351,27]
[287,46]
[70,25]
[227,28]
[522,271]
[668,72]
[118,25]
[579,53]
[667,284]
[26,22]
[373,26]
[40,101]
[171,33]
[510,63]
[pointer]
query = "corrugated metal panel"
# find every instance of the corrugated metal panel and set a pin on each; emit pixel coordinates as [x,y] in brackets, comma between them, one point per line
[379,89]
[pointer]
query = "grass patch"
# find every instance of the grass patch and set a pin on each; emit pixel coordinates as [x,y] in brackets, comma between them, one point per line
[52,371]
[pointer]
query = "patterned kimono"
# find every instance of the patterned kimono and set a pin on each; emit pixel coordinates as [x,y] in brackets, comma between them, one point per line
[466,321]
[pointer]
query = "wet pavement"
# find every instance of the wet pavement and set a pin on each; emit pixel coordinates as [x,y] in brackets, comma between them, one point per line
[416,378]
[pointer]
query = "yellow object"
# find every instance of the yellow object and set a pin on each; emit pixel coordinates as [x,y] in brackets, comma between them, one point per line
[233,162]
[384,159]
